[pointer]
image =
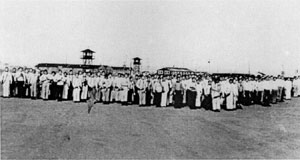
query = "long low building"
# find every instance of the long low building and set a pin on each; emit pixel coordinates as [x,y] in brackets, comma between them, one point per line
[178,71]
[233,75]
[80,67]
[174,71]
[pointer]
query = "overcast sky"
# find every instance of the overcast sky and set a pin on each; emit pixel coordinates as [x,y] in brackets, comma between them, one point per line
[263,35]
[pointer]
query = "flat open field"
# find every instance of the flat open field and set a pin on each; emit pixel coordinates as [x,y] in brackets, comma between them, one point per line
[43,130]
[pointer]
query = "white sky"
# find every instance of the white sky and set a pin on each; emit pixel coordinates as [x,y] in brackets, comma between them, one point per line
[232,33]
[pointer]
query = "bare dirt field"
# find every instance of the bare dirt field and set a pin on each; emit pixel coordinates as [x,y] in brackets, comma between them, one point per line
[35,129]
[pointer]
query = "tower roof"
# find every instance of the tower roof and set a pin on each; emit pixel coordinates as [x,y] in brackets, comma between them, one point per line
[138,58]
[88,51]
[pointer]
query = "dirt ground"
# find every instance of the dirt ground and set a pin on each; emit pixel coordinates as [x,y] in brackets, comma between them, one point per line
[35,129]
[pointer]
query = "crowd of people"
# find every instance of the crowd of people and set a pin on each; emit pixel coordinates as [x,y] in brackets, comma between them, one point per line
[205,91]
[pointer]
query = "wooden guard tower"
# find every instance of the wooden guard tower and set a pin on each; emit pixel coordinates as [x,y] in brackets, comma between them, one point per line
[87,56]
[137,64]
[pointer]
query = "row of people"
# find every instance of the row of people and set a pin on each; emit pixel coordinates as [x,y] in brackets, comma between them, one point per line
[196,92]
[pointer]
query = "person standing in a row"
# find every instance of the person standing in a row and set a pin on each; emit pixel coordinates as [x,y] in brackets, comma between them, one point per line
[60,81]
[33,80]
[157,89]
[229,93]
[141,85]
[20,82]
[6,81]
[44,80]
[216,95]
[77,84]
[178,93]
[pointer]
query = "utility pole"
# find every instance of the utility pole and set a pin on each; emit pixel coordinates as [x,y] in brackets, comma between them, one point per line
[249,67]
[209,66]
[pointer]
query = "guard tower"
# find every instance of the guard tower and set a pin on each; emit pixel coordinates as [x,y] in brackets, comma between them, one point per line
[87,56]
[137,65]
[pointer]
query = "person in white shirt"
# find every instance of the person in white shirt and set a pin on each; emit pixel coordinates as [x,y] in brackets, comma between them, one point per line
[6,80]
[224,85]
[32,80]
[60,81]
[225,88]
[231,94]
[216,94]
[77,84]
[191,101]
[295,87]
[44,80]
[101,86]
[26,82]
[236,94]
[185,86]
[298,86]
[280,83]
[119,84]
[157,89]
[165,90]
[67,84]
[99,78]
[171,92]
[199,93]
[141,86]
[92,84]
[124,83]
[114,95]
[92,90]
[84,89]
[288,89]
[107,84]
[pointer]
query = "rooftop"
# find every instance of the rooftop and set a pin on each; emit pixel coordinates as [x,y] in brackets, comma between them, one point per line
[176,69]
[88,51]
[65,65]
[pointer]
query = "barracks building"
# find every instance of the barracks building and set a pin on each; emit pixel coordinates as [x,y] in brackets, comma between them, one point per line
[88,57]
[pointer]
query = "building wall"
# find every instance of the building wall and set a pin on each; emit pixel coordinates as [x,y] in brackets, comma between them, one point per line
[168,72]
[75,70]
[55,69]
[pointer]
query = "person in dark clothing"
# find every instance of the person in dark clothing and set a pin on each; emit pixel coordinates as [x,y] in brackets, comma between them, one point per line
[178,93]
[207,100]
[148,92]
[136,97]
[52,86]
[70,91]
[59,80]
[130,91]
[20,82]
[267,93]
[191,101]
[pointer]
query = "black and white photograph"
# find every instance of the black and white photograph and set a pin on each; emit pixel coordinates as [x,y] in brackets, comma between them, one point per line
[150,79]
